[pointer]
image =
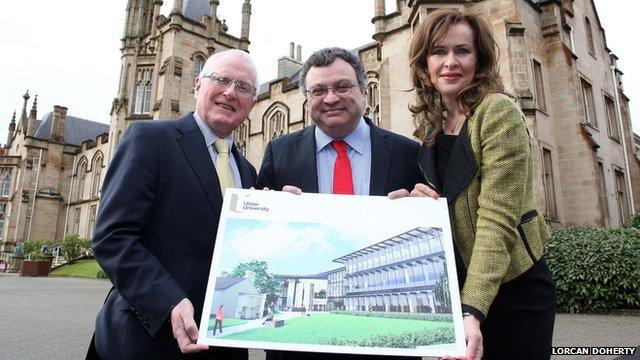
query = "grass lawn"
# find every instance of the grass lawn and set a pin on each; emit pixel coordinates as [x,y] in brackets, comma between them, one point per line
[226,322]
[85,268]
[325,328]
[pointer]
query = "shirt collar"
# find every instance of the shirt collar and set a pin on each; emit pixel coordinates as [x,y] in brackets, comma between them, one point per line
[356,140]
[209,135]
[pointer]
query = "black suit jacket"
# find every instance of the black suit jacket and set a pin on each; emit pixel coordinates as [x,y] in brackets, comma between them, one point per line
[154,236]
[291,160]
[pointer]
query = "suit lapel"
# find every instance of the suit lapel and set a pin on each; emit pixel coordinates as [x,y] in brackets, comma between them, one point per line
[381,151]
[464,166]
[427,165]
[305,147]
[195,150]
[245,171]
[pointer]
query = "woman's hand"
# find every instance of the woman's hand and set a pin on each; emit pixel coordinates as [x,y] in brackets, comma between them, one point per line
[419,190]
[473,336]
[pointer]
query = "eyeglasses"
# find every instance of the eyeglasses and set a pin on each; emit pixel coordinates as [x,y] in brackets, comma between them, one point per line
[321,91]
[224,81]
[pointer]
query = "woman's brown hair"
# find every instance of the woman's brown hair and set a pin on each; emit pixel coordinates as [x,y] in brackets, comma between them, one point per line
[427,106]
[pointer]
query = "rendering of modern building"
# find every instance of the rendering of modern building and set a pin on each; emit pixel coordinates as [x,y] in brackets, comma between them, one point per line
[397,274]
[239,296]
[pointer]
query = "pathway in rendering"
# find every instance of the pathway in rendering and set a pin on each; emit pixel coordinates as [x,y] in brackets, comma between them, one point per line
[285,315]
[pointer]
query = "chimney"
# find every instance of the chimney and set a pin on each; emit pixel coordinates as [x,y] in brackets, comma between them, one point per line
[288,65]
[246,20]
[57,124]
[299,53]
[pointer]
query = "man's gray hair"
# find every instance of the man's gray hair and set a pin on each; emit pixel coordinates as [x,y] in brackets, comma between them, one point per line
[231,52]
[326,57]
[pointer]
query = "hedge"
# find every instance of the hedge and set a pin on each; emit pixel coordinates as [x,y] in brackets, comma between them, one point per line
[398,315]
[408,340]
[595,269]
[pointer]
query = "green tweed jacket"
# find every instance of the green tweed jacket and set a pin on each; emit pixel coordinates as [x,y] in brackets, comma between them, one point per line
[488,185]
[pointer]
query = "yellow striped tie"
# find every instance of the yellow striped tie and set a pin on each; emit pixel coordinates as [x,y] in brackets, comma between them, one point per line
[223,167]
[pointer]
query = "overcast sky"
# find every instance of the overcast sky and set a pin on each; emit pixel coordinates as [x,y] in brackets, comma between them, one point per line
[68,53]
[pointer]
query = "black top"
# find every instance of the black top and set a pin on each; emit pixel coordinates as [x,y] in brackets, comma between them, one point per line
[445,147]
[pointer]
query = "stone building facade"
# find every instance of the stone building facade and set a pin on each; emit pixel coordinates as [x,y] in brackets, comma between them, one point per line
[554,59]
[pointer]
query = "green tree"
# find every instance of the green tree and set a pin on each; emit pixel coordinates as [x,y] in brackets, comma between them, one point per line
[73,246]
[441,292]
[266,283]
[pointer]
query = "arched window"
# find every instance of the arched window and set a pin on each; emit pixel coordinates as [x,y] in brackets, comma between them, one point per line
[306,119]
[373,102]
[96,168]
[81,176]
[275,121]
[198,63]
[241,137]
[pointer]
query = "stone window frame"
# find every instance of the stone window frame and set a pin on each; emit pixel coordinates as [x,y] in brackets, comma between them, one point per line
[622,200]
[611,114]
[96,169]
[373,108]
[143,90]
[81,175]
[241,137]
[591,46]
[539,84]
[588,103]
[269,118]
[601,178]
[548,182]
[197,56]
[77,213]
[93,210]
[5,185]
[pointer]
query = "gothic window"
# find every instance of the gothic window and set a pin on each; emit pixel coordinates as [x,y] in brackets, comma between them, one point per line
[275,121]
[5,186]
[306,119]
[97,171]
[198,63]
[81,176]
[373,102]
[241,137]
[76,220]
[548,182]
[143,91]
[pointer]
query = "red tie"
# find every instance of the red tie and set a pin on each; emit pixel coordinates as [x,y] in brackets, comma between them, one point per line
[342,182]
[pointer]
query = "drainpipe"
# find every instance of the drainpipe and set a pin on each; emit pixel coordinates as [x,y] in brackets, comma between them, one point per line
[624,142]
[35,191]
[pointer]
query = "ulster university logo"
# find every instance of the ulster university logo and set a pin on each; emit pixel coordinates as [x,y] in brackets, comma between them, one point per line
[240,203]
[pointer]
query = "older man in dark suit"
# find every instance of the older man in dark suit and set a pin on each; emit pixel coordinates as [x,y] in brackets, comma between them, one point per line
[343,153]
[158,218]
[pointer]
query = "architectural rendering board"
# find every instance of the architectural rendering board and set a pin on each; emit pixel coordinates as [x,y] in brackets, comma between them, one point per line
[333,273]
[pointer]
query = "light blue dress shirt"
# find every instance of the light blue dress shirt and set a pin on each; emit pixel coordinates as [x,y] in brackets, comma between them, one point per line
[209,138]
[358,151]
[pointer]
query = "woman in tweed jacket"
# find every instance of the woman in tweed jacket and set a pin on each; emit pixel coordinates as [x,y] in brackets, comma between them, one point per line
[477,154]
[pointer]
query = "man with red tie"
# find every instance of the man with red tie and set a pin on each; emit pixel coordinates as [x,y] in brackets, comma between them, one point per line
[343,152]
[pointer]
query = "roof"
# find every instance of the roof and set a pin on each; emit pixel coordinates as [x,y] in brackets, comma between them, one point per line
[76,130]
[194,9]
[223,283]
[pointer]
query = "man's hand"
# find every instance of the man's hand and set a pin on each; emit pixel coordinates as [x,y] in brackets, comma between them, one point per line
[292,189]
[419,190]
[184,328]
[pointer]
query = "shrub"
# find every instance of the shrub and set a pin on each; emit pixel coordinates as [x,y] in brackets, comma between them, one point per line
[37,249]
[407,340]
[634,222]
[397,315]
[595,269]
[73,246]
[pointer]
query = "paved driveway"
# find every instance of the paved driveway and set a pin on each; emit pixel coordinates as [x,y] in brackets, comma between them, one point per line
[53,318]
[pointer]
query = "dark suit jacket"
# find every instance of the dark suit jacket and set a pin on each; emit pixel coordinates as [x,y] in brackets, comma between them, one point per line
[291,160]
[154,236]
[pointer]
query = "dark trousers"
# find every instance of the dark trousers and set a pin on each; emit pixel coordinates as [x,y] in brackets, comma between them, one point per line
[520,320]
[217,325]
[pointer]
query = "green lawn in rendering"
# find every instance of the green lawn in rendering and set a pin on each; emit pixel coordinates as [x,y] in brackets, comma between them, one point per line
[85,268]
[226,322]
[334,329]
